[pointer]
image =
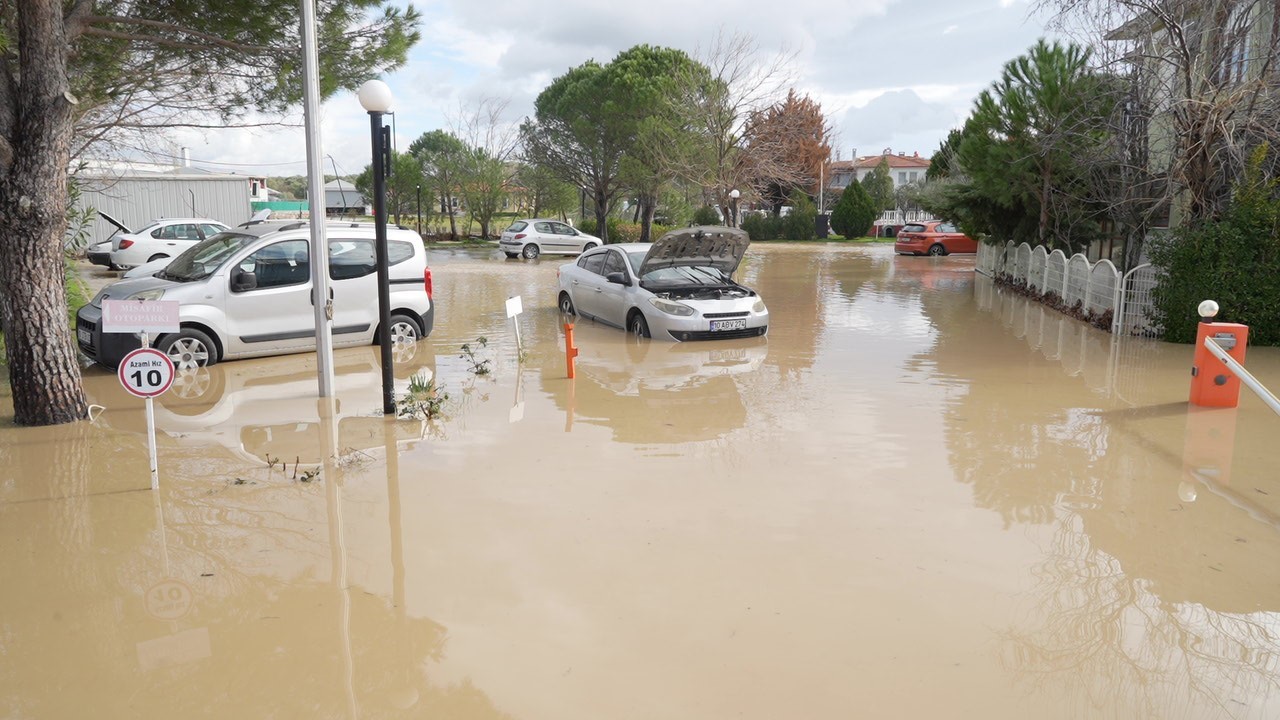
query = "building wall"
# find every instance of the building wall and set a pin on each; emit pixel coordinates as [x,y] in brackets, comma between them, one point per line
[140,199]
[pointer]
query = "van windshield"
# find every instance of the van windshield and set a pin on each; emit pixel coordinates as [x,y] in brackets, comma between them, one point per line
[201,260]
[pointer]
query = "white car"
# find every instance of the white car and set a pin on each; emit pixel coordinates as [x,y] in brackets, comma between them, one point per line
[248,292]
[161,239]
[679,288]
[535,237]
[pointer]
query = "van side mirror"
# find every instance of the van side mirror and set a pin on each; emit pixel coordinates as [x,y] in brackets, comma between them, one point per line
[242,281]
[617,278]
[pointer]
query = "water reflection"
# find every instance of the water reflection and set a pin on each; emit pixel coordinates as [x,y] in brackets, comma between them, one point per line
[265,409]
[235,602]
[1150,595]
[655,392]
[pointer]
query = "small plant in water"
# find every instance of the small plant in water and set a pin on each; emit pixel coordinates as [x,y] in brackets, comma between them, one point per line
[309,475]
[478,365]
[425,399]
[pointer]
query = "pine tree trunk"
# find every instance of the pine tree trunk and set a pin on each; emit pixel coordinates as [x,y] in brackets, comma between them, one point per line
[602,216]
[44,371]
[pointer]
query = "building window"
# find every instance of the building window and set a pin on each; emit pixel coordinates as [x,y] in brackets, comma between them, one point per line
[902,177]
[914,175]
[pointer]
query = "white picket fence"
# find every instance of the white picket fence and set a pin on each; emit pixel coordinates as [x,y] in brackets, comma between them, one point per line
[1096,290]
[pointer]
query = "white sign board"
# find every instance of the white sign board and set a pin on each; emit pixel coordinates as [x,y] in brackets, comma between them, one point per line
[146,372]
[515,306]
[140,316]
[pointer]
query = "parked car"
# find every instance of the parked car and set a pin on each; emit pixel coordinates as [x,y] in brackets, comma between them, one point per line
[248,292]
[933,238]
[161,239]
[678,288]
[532,238]
[100,253]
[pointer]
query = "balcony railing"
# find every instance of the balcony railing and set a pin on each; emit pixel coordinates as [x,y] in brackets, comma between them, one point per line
[902,217]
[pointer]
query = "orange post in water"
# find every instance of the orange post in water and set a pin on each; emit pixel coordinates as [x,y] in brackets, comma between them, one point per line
[1212,383]
[570,351]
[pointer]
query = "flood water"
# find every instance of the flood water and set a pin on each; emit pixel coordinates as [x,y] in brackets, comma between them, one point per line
[921,496]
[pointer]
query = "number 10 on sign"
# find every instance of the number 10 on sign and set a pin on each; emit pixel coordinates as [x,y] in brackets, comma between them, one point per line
[146,373]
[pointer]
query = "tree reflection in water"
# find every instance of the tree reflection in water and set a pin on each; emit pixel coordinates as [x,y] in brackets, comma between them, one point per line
[1142,606]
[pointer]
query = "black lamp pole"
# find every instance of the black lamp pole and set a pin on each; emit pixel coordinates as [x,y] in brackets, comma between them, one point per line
[381,145]
[419,210]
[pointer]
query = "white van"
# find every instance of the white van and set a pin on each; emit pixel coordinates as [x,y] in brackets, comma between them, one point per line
[247,293]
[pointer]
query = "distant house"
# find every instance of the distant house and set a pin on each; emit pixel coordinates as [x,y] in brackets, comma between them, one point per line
[903,168]
[342,198]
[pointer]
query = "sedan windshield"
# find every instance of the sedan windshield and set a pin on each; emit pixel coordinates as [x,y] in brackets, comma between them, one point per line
[202,259]
[679,276]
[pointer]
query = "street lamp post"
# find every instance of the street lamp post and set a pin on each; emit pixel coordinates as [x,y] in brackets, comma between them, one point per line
[375,97]
[733,207]
[419,211]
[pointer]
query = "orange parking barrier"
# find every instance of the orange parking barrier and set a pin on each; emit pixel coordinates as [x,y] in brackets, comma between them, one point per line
[1212,382]
[570,351]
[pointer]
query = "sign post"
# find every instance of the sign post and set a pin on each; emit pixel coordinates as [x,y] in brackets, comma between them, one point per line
[145,372]
[515,306]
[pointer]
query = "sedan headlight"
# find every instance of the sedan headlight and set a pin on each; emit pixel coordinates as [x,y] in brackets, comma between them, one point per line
[671,308]
[758,307]
[147,295]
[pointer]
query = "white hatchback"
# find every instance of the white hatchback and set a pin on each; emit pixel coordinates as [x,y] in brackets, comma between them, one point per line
[679,288]
[535,237]
[248,292]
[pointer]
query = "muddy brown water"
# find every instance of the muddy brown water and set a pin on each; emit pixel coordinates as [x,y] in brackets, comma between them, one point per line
[919,497]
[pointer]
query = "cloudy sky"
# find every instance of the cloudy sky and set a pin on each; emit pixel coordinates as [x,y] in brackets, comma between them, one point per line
[889,73]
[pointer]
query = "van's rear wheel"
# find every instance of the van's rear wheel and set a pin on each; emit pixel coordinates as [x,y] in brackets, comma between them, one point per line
[404,329]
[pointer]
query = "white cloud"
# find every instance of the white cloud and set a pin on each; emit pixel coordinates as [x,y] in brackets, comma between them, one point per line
[848,56]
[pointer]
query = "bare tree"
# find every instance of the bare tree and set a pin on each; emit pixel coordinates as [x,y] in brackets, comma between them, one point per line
[742,82]
[1198,93]
[487,168]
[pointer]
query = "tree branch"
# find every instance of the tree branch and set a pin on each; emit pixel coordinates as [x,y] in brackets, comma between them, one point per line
[91,20]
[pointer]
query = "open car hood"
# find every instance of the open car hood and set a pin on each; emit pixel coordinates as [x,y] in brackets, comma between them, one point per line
[705,246]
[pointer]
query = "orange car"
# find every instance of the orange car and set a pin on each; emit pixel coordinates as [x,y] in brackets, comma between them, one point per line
[933,238]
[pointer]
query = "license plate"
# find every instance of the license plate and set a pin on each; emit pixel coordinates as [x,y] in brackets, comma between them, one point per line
[719,325]
[85,336]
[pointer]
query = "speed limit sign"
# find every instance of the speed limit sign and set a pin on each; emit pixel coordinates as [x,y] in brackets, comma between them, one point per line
[146,372]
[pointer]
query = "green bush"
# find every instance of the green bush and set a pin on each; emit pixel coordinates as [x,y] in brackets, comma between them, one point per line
[706,215]
[854,214]
[1235,261]
[800,223]
[620,231]
[762,227]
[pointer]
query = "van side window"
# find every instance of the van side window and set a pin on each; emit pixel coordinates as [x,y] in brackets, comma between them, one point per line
[351,259]
[398,251]
[278,265]
[356,258]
